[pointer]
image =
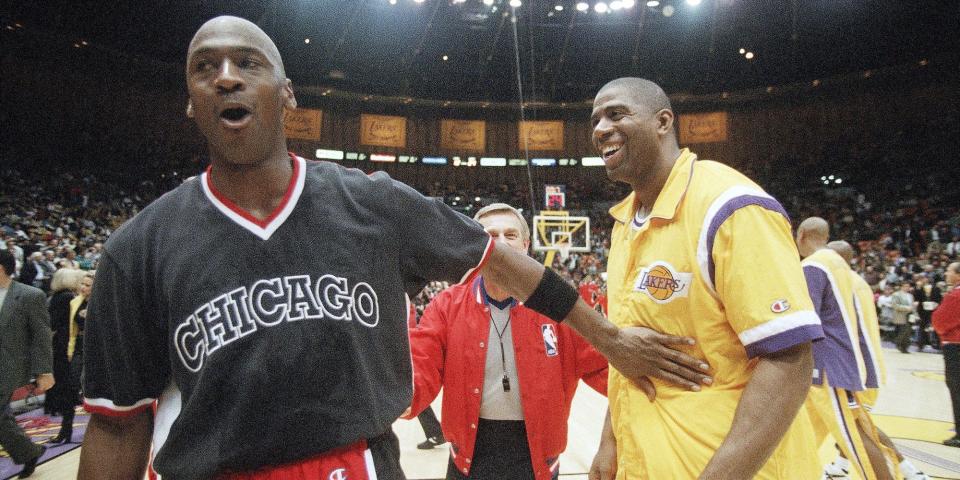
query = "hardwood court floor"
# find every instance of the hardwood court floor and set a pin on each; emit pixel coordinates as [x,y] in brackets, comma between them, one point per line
[913,409]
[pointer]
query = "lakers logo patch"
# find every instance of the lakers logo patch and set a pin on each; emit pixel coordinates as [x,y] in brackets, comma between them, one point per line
[663,283]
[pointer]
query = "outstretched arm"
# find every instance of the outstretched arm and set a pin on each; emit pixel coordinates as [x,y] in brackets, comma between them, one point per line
[634,352]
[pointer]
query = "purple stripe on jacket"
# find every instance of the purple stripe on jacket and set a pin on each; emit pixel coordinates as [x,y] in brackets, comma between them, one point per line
[834,355]
[784,340]
[728,209]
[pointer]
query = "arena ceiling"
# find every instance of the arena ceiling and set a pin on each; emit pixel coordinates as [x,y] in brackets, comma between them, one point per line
[467,49]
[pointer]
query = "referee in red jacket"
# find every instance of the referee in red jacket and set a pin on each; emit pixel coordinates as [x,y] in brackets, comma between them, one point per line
[508,373]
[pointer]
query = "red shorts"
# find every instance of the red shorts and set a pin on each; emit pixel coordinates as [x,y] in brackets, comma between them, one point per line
[352,462]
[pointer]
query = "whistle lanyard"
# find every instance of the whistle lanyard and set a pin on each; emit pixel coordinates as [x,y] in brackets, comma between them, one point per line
[503,356]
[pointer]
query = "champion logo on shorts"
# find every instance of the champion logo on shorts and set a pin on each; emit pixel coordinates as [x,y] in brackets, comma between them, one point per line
[661,282]
[549,339]
[338,474]
[780,306]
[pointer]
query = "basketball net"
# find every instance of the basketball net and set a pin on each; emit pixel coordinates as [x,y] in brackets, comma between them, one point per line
[564,250]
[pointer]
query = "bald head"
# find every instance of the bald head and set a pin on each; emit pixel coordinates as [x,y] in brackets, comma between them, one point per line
[815,227]
[843,248]
[231,31]
[812,235]
[953,274]
[642,91]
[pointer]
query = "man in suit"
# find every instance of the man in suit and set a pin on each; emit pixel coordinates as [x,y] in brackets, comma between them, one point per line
[33,273]
[25,340]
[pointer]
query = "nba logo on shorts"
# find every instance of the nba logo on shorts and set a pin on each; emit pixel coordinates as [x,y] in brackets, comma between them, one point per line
[549,339]
[338,474]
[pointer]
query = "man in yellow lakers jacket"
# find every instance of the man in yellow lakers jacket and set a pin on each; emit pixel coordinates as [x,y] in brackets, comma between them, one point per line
[868,323]
[844,364]
[699,250]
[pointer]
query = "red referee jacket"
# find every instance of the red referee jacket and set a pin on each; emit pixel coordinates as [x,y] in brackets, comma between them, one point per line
[449,351]
[946,318]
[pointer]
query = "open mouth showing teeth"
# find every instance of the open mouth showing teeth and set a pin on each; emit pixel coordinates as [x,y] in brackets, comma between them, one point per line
[234,114]
[610,151]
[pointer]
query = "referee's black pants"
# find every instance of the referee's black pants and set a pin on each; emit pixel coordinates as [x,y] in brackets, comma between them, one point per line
[431,426]
[501,452]
[951,370]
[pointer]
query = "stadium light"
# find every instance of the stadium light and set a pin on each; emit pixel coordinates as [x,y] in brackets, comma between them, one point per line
[600,7]
[616,5]
[628,3]
[515,3]
[749,55]
[668,11]
[583,6]
[743,50]
[488,2]
[838,181]
[558,8]
[653,3]
[693,3]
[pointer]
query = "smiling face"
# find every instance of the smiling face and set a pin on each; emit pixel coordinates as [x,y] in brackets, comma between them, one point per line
[238,92]
[507,228]
[628,133]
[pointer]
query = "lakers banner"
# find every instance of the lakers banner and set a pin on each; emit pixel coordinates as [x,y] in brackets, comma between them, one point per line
[703,127]
[463,135]
[303,123]
[541,135]
[383,130]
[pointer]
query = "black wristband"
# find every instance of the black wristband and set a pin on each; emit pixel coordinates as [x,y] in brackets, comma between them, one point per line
[553,298]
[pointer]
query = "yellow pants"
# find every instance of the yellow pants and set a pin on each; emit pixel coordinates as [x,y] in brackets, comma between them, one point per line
[834,412]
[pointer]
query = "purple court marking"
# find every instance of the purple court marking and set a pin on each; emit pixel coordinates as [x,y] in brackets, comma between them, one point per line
[41,429]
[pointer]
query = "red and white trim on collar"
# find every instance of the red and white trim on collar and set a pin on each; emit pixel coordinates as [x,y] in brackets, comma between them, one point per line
[261,228]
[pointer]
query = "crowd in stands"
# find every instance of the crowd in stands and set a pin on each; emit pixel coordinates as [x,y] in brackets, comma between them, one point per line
[52,221]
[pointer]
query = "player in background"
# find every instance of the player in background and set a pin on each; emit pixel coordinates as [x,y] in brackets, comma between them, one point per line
[844,359]
[866,311]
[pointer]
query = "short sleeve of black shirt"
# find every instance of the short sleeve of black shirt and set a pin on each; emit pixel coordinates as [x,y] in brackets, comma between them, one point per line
[437,243]
[125,359]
